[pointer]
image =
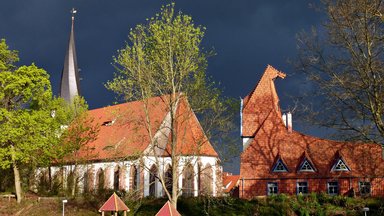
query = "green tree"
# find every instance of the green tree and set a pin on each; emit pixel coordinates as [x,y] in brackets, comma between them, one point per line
[345,61]
[80,131]
[165,57]
[26,126]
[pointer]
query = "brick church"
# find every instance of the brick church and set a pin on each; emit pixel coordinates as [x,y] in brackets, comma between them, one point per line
[276,159]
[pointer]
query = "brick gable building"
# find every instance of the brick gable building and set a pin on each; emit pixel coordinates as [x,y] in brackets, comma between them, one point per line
[277,159]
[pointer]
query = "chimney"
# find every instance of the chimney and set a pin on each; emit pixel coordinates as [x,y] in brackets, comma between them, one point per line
[289,122]
[284,117]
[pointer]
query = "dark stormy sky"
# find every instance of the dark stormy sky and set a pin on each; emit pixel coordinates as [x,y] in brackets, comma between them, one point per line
[246,34]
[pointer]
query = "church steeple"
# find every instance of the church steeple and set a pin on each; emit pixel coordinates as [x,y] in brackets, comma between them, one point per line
[69,86]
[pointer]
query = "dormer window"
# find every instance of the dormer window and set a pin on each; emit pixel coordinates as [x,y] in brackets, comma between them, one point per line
[279,166]
[340,165]
[306,166]
[108,123]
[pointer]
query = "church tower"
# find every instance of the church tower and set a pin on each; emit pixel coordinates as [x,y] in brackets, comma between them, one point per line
[69,85]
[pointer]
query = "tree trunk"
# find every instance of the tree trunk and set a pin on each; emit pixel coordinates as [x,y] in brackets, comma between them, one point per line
[175,182]
[17,182]
[50,178]
[16,174]
[74,181]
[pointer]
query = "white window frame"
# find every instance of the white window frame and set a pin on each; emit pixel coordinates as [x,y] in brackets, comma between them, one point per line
[306,161]
[334,168]
[279,161]
[365,184]
[298,186]
[333,186]
[274,185]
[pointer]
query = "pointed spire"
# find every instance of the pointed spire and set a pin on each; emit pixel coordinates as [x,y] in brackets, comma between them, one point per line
[69,86]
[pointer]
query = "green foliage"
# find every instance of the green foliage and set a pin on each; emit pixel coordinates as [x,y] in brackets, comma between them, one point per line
[30,118]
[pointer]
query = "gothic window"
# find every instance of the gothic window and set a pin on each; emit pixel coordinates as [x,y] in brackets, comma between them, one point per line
[188,181]
[152,181]
[333,188]
[272,188]
[116,178]
[340,166]
[306,166]
[86,182]
[168,179]
[280,166]
[302,187]
[206,180]
[199,177]
[133,180]
[100,179]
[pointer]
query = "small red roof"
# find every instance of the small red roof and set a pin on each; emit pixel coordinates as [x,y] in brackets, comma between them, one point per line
[114,203]
[168,210]
[230,181]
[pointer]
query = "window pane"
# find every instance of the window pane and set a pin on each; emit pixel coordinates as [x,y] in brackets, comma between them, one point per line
[302,187]
[333,188]
[365,188]
[272,188]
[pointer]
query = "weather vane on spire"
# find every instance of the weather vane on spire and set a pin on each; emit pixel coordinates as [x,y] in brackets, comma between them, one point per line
[73,12]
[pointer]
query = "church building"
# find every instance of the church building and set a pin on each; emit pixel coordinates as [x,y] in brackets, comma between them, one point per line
[277,159]
[131,154]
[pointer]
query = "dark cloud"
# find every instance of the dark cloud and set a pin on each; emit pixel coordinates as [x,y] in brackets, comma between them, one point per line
[246,34]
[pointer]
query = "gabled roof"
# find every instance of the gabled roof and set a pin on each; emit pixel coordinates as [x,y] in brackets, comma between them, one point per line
[270,138]
[168,210]
[339,163]
[230,182]
[124,131]
[279,161]
[114,203]
[306,164]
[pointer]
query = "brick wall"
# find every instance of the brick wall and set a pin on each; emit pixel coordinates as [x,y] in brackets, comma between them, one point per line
[250,188]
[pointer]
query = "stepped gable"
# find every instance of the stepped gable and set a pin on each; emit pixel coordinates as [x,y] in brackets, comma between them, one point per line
[261,102]
[124,132]
[271,138]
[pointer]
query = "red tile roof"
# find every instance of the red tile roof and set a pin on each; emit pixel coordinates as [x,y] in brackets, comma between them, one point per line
[168,210]
[124,131]
[230,181]
[191,139]
[114,203]
[263,99]
[270,139]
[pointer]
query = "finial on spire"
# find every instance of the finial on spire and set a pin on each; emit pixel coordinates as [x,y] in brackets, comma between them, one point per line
[73,12]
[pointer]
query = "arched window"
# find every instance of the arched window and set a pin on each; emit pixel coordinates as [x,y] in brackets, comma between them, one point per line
[86,182]
[152,180]
[100,179]
[133,178]
[207,181]
[116,178]
[188,181]
[168,179]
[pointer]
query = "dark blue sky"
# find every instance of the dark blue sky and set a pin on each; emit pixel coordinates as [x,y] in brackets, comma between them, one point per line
[246,34]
